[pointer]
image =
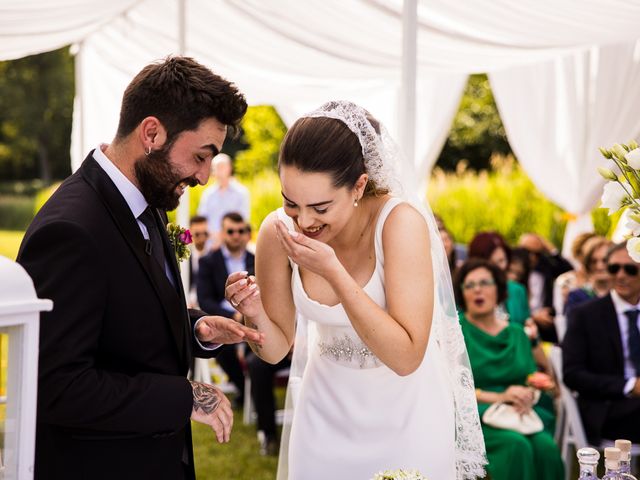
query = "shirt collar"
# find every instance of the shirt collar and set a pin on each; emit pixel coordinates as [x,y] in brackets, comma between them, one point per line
[133,196]
[620,304]
[227,254]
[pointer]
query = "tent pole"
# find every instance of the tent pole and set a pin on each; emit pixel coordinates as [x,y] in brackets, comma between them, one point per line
[78,155]
[182,214]
[407,104]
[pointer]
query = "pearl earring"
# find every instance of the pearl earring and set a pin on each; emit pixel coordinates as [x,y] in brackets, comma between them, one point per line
[355,202]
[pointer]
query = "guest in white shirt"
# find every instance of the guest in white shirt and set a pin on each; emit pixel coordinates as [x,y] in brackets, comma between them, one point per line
[226,195]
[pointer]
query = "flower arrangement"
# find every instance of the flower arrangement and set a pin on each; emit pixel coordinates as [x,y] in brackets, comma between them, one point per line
[623,190]
[399,475]
[179,238]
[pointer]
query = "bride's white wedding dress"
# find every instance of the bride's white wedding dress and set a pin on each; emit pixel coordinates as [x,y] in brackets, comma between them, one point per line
[353,415]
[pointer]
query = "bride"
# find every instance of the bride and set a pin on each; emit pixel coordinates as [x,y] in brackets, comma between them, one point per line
[355,275]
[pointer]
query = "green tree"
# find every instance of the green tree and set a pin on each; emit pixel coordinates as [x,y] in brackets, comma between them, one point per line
[263,132]
[36,110]
[477,131]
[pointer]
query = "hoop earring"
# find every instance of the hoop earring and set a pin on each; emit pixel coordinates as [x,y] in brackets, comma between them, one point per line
[147,152]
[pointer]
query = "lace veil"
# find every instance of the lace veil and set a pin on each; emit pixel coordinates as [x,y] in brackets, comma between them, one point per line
[384,166]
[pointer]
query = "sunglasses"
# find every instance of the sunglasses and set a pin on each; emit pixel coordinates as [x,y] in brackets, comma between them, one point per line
[239,231]
[199,234]
[629,268]
[482,284]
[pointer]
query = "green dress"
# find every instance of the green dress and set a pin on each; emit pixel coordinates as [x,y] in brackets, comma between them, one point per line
[517,302]
[498,362]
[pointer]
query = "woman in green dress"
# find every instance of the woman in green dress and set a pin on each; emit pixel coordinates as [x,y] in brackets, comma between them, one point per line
[501,360]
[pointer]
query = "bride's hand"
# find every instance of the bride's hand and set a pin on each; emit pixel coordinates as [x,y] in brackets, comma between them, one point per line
[241,290]
[310,254]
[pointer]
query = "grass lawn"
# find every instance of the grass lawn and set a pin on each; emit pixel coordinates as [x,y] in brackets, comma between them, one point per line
[238,460]
[10,242]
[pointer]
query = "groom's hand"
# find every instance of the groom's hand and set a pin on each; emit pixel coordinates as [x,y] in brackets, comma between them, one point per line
[215,329]
[212,408]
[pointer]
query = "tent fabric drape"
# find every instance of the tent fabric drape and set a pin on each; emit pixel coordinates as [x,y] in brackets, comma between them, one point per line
[556,115]
[561,70]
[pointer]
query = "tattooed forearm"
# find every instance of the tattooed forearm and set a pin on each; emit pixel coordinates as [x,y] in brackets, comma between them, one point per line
[250,324]
[205,397]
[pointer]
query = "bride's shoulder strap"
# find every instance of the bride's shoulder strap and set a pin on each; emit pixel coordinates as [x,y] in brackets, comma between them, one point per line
[382,218]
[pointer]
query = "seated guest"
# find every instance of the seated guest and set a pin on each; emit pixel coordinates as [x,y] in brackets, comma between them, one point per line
[492,246]
[501,360]
[577,278]
[601,354]
[598,281]
[519,267]
[546,265]
[449,248]
[199,234]
[214,268]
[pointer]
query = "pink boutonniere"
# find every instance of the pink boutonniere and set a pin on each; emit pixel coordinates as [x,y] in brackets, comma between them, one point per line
[180,238]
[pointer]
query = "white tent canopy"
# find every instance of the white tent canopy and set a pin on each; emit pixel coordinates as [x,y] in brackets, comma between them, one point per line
[564,72]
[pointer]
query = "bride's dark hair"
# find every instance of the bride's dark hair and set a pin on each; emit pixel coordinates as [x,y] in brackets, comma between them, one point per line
[326,145]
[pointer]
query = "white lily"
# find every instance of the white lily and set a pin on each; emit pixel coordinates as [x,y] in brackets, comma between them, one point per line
[633,158]
[633,247]
[613,196]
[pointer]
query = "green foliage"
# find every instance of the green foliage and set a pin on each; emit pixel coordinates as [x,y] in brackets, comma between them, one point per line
[504,200]
[43,195]
[10,243]
[16,212]
[477,131]
[263,131]
[36,106]
[265,196]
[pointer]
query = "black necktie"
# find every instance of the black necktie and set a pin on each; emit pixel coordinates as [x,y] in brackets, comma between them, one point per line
[634,339]
[154,244]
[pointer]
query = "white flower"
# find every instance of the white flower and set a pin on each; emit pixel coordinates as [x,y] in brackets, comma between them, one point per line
[633,247]
[613,196]
[634,227]
[607,174]
[633,158]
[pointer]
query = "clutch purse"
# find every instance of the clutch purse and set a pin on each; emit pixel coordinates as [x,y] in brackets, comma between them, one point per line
[503,415]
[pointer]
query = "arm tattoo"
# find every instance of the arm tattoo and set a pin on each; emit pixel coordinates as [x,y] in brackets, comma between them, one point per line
[205,398]
[250,324]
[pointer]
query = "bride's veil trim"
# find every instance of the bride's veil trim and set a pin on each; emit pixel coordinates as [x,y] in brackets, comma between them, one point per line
[384,166]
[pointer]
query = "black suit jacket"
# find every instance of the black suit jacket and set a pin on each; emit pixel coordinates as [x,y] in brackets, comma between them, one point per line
[593,362]
[212,276]
[113,397]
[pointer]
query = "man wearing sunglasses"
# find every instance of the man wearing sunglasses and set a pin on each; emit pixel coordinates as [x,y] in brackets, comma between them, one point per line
[601,354]
[214,268]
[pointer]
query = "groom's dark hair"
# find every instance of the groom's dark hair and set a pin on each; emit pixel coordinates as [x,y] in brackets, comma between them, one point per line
[181,93]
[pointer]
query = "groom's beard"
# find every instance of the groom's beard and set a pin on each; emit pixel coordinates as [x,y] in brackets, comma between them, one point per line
[158,180]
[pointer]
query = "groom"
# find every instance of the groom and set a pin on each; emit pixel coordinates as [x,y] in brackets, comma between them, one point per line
[113,397]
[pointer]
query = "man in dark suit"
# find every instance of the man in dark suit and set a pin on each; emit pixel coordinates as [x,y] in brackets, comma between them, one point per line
[601,354]
[214,269]
[113,397]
